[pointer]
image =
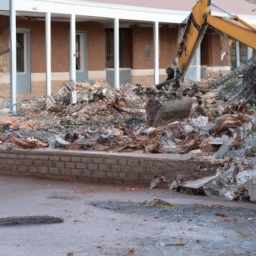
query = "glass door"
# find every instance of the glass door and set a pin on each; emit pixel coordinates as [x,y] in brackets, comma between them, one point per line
[23,61]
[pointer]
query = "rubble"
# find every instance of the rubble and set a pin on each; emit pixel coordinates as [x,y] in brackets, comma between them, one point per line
[252,190]
[218,123]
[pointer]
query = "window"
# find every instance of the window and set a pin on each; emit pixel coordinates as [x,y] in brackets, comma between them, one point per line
[147,52]
[20,53]
[78,52]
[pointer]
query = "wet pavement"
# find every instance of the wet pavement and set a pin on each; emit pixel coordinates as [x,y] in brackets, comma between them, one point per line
[111,220]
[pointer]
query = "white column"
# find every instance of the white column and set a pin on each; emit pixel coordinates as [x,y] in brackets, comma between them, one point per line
[13,60]
[237,53]
[48,53]
[116,53]
[156,52]
[249,52]
[73,57]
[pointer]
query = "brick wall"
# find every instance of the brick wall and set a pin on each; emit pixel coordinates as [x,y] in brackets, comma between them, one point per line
[4,44]
[95,167]
[212,47]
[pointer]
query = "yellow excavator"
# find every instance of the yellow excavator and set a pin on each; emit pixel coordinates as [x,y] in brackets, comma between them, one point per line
[198,22]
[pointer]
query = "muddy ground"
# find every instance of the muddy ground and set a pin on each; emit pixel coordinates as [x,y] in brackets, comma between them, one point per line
[110,220]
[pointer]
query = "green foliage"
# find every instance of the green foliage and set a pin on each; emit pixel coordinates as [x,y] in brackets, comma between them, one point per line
[253,109]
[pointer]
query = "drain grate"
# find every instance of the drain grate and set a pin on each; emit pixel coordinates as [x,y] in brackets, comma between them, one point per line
[29,220]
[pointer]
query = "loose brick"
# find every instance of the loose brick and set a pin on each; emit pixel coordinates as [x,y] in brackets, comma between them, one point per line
[4,155]
[116,168]
[146,176]
[86,173]
[22,168]
[87,159]
[146,163]
[54,158]
[70,165]
[76,159]
[98,174]
[53,164]
[11,161]
[134,162]
[32,169]
[93,166]
[81,165]
[60,164]
[122,175]
[123,162]
[17,162]
[8,168]
[34,157]
[65,158]
[98,160]
[111,161]
[159,164]
[112,174]
[26,162]
[42,170]
[14,156]
[48,164]
[43,157]
[76,172]
[153,171]
[38,163]
[65,171]
[131,175]
[138,169]
[54,171]
[105,167]
[125,168]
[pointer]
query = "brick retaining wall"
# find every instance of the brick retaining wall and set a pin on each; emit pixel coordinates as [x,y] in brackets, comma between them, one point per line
[98,167]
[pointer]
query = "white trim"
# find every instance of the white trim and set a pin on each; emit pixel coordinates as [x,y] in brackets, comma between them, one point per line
[156,52]
[251,19]
[109,11]
[48,53]
[97,75]
[249,52]
[25,37]
[116,54]
[223,55]
[218,68]
[237,53]
[146,72]
[55,76]
[92,75]
[37,77]
[73,56]
[13,56]
[80,34]
[126,12]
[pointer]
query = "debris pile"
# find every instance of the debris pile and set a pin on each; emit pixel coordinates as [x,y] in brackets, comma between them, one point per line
[113,120]
[218,123]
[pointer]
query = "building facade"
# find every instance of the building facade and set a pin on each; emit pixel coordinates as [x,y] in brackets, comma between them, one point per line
[118,41]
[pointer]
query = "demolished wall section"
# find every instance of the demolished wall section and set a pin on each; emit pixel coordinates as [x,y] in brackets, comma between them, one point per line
[101,167]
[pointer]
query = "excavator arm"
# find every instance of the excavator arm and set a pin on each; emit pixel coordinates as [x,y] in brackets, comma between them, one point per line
[198,22]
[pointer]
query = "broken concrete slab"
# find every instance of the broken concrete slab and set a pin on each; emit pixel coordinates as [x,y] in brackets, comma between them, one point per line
[252,190]
[201,182]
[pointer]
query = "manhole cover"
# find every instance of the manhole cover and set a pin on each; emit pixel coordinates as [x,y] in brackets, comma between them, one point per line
[29,220]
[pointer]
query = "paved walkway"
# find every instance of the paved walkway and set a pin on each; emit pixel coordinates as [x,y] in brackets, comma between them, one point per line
[118,224]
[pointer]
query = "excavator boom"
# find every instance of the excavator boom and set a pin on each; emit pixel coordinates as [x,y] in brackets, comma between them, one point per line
[198,22]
